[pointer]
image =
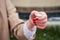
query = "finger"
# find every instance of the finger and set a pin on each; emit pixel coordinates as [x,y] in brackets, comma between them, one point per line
[33,14]
[35,19]
[43,13]
[41,22]
[41,26]
[42,18]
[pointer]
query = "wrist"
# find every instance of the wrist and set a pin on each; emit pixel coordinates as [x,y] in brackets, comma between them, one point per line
[30,25]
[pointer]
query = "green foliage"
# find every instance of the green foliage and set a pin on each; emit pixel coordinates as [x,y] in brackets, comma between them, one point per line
[49,33]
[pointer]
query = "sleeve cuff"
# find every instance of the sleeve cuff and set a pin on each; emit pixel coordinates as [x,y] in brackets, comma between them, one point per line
[27,33]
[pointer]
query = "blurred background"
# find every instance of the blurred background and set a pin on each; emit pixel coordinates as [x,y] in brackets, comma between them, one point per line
[52,9]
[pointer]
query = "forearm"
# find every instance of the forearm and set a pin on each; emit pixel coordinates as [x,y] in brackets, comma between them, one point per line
[19,33]
[22,31]
[16,24]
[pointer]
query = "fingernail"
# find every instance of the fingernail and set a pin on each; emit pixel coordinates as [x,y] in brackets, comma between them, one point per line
[34,19]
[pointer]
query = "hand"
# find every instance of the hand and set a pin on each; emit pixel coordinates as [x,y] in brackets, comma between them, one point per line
[40,22]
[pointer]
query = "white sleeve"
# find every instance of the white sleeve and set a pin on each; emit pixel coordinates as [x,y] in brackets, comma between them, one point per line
[28,34]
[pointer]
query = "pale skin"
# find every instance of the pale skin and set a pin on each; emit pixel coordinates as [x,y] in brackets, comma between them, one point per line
[40,23]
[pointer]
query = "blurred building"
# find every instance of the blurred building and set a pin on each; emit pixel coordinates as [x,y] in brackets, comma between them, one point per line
[51,7]
[36,3]
[29,5]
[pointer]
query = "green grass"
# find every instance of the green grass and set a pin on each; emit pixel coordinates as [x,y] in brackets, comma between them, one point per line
[49,33]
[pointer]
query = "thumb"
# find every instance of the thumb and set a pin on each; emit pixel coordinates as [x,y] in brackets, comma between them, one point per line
[33,14]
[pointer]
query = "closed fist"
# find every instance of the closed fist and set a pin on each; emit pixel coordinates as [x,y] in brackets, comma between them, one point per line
[39,19]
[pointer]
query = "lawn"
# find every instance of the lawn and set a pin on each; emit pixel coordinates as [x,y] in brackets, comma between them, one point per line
[49,33]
